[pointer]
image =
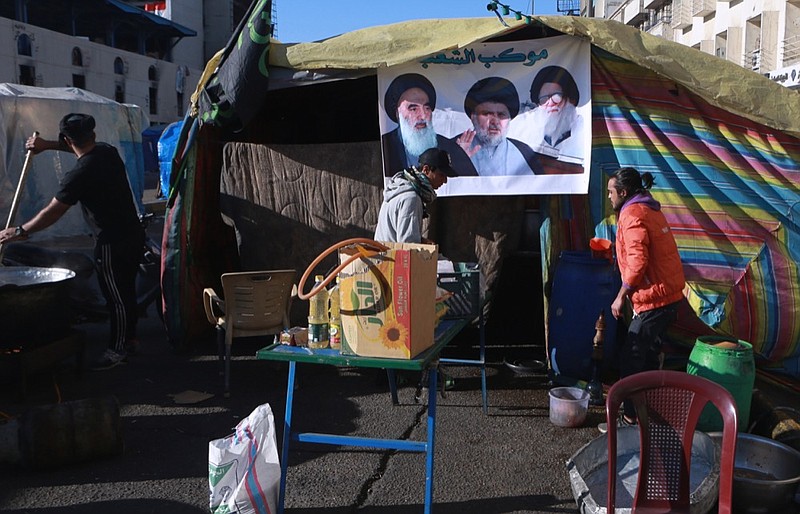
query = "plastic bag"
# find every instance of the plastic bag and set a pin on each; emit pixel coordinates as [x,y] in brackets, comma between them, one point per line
[243,470]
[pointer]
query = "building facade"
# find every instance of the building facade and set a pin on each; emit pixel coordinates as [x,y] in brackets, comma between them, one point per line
[760,35]
[148,53]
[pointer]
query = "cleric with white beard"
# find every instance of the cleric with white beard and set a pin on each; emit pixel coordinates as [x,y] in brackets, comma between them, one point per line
[409,101]
[553,127]
[414,116]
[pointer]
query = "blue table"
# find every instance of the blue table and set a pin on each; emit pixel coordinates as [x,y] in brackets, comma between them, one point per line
[427,360]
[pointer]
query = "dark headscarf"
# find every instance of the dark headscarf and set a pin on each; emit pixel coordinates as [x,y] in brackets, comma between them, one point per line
[422,186]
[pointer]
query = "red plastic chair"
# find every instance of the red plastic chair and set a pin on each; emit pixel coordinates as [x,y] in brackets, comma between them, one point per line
[668,405]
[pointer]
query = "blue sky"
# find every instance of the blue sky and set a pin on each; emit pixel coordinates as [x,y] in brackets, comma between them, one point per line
[311,20]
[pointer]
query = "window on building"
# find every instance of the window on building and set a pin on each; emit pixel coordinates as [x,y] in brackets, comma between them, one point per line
[153,100]
[79,81]
[119,66]
[77,57]
[24,46]
[752,44]
[27,75]
[661,14]
[152,73]
[119,93]
[721,45]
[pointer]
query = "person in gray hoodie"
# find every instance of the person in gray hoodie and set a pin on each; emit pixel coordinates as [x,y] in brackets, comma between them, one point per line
[407,195]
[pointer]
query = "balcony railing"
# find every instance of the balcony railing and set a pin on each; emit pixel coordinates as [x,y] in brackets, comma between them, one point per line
[681,14]
[791,50]
[658,20]
[753,60]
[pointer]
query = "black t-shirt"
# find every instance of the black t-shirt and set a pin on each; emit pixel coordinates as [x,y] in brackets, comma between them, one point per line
[99,182]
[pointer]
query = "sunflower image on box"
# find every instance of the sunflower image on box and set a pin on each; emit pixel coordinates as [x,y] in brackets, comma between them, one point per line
[387,302]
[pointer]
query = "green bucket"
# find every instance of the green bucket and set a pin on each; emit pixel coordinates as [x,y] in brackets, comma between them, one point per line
[731,366]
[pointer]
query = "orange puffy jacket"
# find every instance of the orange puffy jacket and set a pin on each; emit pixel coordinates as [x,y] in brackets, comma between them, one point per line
[647,255]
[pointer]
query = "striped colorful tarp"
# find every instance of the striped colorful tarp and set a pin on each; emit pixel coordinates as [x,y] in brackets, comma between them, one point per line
[730,189]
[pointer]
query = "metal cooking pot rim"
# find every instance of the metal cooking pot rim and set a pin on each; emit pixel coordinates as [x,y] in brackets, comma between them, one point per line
[743,436]
[22,276]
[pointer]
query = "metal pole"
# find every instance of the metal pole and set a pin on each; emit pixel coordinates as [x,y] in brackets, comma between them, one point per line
[12,213]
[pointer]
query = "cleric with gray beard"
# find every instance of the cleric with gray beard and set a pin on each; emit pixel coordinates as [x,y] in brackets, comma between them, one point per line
[491,103]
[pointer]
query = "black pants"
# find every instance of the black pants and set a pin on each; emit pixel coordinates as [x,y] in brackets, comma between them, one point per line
[117,264]
[642,346]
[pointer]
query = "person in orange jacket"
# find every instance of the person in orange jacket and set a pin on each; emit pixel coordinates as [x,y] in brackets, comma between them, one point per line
[652,274]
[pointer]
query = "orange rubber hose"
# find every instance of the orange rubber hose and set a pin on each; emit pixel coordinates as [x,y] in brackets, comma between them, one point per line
[361,243]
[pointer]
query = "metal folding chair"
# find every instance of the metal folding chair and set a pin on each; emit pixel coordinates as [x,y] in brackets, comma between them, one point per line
[668,406]
[255,303]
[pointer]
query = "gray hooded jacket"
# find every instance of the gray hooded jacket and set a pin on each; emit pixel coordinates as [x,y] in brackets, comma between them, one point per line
[400,217]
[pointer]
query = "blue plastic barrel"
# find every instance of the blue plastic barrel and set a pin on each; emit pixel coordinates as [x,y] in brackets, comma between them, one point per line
[166,150]
[583,286]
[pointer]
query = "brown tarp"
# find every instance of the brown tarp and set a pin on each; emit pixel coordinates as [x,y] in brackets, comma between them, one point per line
[288,203]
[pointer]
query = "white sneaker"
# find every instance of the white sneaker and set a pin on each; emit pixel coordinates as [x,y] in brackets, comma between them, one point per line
[621,422]
[109,359]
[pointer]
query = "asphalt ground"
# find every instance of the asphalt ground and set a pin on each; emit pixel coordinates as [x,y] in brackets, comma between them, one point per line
[511,460]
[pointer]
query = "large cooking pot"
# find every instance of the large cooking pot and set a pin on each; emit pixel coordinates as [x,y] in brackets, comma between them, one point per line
[34,305]
[766,474]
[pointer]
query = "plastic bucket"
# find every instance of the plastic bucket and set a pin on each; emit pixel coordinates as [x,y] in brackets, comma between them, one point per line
[568,406]
[730,364]
[601,248]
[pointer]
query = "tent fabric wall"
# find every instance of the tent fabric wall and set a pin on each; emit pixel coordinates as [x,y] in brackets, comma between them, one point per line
[288,203]
[730,189]
[196,246]
[722,142]
[719,82]
[299,199]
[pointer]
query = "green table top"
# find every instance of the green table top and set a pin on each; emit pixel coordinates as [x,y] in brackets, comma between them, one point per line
[445,331]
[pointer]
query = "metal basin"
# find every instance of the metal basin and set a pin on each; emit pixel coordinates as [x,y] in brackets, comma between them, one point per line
[588,473]
[34,304]
[766,474]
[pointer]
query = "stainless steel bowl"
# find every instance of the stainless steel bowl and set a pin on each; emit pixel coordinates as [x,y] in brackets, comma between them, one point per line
[767,474]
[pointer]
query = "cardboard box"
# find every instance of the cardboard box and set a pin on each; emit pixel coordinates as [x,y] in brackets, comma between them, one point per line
[388,301]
